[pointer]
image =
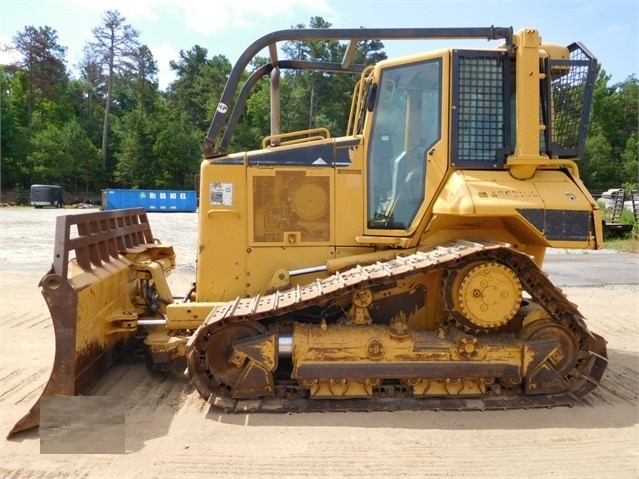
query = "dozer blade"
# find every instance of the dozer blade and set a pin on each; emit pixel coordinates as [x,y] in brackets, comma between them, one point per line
[94,297]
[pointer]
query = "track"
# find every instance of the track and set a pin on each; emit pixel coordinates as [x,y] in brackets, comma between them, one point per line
[289,397]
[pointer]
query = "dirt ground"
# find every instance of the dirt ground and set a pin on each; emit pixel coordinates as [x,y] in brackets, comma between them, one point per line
[171,432]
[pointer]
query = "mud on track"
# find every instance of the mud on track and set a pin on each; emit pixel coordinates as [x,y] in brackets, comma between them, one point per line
[171,432]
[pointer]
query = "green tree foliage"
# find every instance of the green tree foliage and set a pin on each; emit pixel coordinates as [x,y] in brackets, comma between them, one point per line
[199,84]
[156,148]
[611,154]
[177,148]
[14,130]
[64,156]
[42,61]
[322,99]
[33,96]
[88,93]
[630,161]
[154,153]
[135,165]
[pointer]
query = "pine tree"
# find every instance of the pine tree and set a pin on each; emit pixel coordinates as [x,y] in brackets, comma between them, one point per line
[115,45]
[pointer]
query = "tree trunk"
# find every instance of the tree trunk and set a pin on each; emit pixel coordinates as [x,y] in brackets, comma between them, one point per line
[311,112]
[107,110]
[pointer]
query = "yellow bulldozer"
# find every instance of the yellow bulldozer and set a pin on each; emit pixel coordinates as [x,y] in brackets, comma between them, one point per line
[395,267]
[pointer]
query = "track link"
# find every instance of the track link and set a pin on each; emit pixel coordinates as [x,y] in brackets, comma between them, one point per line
[290,397]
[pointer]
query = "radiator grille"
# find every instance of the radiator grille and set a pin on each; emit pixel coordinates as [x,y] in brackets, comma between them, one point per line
[291,207]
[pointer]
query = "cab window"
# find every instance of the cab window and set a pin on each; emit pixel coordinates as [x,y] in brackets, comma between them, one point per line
[407,122]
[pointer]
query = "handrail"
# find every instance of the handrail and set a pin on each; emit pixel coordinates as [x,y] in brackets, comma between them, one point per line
[313,134]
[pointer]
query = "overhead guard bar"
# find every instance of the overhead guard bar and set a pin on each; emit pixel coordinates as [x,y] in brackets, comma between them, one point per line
[349,34]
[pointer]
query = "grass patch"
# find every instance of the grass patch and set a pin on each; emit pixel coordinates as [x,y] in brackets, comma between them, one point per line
[628,245]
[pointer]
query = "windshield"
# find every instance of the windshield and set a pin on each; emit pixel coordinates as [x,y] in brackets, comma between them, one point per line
[407,122]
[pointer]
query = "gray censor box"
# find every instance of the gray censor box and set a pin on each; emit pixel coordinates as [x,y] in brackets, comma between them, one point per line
[81,425]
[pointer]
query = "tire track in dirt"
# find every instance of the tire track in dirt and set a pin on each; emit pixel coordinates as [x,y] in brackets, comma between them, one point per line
[620,384]
[31,474]
[15,383]
[27,321]
[6,377]
[45,323]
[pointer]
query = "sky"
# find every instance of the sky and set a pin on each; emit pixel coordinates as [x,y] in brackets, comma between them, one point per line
[608,28]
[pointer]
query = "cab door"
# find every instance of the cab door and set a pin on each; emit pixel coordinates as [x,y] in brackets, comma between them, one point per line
[406,134]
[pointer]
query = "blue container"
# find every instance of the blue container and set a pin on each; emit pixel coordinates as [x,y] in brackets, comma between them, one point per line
[150,200]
